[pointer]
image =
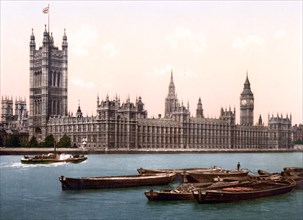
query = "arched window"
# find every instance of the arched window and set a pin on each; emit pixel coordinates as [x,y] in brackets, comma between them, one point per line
[59,79]
[58,108]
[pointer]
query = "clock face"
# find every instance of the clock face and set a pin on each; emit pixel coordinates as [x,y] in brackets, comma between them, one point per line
[243,102]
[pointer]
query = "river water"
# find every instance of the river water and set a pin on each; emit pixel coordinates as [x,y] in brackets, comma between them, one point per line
[34,191]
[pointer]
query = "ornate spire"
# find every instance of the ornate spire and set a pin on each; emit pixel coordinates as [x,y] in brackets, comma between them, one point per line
[79,112]
[260,121]
[45,36]
[171,88]
[246,89]
[51,39]
[64,43]
[32,42]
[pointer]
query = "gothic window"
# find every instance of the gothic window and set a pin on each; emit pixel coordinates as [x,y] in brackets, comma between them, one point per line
[58,79]
[58,108]
[51,80]
[53,107]
[54,78]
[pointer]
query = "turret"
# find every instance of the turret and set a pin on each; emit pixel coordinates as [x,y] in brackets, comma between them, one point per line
[98,100]
[140,104]
[79,112]
[45,37]
[199,111]
[64,42]
[260,122]
[32,43]
[51,39]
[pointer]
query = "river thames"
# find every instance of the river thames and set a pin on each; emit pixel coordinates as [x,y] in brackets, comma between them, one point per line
[34,191]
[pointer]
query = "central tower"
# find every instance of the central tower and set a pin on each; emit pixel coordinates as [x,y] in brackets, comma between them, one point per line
[171,99]
[48,83]
[247,105]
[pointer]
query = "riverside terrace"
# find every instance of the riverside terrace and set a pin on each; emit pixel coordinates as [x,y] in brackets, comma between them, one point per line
[33,151]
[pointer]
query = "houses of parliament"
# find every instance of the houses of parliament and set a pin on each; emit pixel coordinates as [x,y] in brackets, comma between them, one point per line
[126,125]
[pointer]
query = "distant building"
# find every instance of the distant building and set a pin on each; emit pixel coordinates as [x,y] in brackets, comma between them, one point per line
[14,122]
[125,125]
[17,119]
[298,133]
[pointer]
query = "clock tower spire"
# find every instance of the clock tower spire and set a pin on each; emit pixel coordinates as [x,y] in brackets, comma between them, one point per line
[247,104]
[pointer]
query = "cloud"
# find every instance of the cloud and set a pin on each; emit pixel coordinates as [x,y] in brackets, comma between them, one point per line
[185,38]
[83,84]
[84,39]
[280,34]
[110,50]
[251,41]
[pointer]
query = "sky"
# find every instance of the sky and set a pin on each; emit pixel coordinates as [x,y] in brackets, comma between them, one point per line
[129,48]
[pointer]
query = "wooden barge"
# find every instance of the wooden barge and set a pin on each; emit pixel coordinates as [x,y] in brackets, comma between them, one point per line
[251,190]
[115,181]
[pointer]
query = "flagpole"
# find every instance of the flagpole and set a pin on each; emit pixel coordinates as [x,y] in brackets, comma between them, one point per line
[48,18]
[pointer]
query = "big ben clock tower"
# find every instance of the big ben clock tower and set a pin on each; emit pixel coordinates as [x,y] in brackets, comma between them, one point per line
[247,105]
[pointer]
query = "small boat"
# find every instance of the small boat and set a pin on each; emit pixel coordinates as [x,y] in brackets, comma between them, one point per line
[168,195]
[250,190]
[115,181]
[53,158]
[185,190]
[210,175]
[182,192]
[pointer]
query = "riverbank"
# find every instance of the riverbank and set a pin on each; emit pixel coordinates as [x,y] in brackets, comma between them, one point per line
[33,151]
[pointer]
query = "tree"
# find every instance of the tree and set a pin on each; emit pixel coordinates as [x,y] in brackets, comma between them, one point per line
[298,141]
[24,143]
[13,141]
[33,142]
[49,141]
[64,141]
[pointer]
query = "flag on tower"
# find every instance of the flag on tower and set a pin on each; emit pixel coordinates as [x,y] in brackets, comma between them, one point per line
[45,10]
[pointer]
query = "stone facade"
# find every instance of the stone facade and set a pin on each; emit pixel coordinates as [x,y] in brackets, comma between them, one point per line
[125,125]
